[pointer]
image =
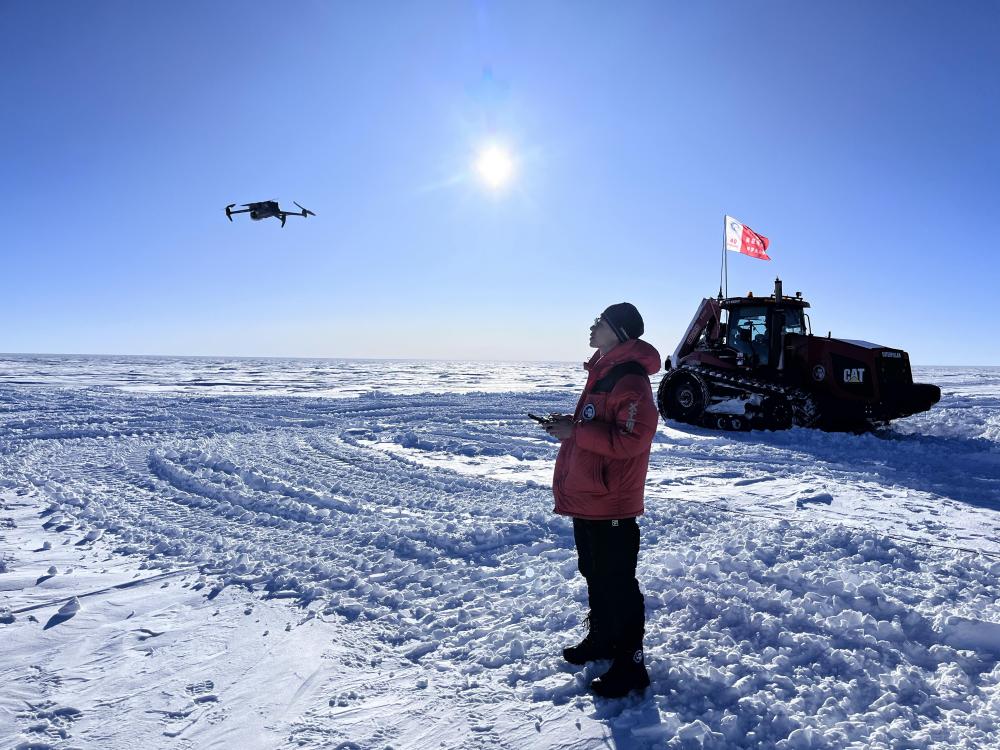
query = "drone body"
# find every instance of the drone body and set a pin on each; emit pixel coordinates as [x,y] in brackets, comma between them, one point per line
[266,210]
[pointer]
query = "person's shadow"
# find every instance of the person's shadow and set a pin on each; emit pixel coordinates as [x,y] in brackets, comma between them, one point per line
[643,727]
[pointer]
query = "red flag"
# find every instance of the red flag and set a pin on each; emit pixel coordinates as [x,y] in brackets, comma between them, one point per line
[742,239]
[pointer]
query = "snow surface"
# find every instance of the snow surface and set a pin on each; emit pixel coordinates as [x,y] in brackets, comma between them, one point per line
[362,554]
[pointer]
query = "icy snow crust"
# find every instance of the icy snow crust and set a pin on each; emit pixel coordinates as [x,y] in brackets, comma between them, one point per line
[803,589]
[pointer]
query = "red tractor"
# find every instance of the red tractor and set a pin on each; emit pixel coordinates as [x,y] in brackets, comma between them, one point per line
[761,368]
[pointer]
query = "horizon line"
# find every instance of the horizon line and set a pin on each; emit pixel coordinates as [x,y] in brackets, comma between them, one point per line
[335,358]
[279,356]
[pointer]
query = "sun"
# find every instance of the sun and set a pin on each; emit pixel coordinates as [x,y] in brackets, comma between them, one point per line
[495,166]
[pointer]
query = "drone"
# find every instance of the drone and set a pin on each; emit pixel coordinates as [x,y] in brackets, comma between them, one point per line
[266,210]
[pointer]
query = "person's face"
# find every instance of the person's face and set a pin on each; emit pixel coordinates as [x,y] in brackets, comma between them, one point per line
[601,335]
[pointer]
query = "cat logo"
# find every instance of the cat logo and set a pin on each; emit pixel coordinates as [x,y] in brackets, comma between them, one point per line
[854,375]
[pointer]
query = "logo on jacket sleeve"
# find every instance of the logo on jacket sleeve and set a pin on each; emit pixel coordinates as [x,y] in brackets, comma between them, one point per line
[633,409]
[588,412]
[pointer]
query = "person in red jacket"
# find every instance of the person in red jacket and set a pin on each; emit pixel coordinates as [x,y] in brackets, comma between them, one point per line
[599,479]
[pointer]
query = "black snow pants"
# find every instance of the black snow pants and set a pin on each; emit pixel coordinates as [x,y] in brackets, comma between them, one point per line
[608,553]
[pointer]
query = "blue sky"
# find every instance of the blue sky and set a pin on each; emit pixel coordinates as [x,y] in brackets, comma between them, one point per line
[862,138]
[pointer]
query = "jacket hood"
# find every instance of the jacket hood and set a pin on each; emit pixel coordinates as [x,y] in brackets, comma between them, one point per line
[633,350]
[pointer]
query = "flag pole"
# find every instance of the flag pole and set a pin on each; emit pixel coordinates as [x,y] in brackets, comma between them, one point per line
[722,265]
[725,261]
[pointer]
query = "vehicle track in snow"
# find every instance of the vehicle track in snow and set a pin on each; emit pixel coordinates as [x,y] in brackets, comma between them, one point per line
[284,492]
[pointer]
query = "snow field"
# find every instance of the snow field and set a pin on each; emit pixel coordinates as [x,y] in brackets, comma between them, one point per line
[780,613]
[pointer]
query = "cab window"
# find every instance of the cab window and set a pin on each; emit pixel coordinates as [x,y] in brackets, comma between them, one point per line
[794,322]
[748,332]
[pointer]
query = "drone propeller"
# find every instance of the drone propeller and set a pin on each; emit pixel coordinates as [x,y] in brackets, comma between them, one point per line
[229,211]
[305,211]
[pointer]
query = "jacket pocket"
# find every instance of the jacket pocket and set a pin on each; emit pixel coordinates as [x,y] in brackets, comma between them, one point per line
[586,473]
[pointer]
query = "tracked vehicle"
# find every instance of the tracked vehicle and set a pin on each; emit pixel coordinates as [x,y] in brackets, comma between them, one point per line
[753,363]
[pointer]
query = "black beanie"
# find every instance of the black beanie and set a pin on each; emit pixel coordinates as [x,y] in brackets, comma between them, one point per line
[624,320]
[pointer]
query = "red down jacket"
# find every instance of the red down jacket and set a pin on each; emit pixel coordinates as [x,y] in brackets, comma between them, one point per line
[601,468]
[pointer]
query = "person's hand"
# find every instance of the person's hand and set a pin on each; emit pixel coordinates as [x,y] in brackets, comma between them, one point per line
[559,426]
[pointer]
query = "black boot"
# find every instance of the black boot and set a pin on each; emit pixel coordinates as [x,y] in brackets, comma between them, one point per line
[627,673]
[592,648]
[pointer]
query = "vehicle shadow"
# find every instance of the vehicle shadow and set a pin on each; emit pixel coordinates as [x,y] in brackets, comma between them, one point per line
[963,469]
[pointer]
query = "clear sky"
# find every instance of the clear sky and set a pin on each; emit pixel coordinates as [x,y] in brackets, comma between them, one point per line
[863,138]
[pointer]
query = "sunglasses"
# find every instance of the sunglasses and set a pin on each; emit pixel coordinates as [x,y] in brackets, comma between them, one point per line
[616,331]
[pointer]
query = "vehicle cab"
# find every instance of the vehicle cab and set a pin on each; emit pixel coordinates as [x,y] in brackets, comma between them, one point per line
[756,327]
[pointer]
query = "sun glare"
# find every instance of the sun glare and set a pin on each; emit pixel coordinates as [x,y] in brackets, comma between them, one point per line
[495,166]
